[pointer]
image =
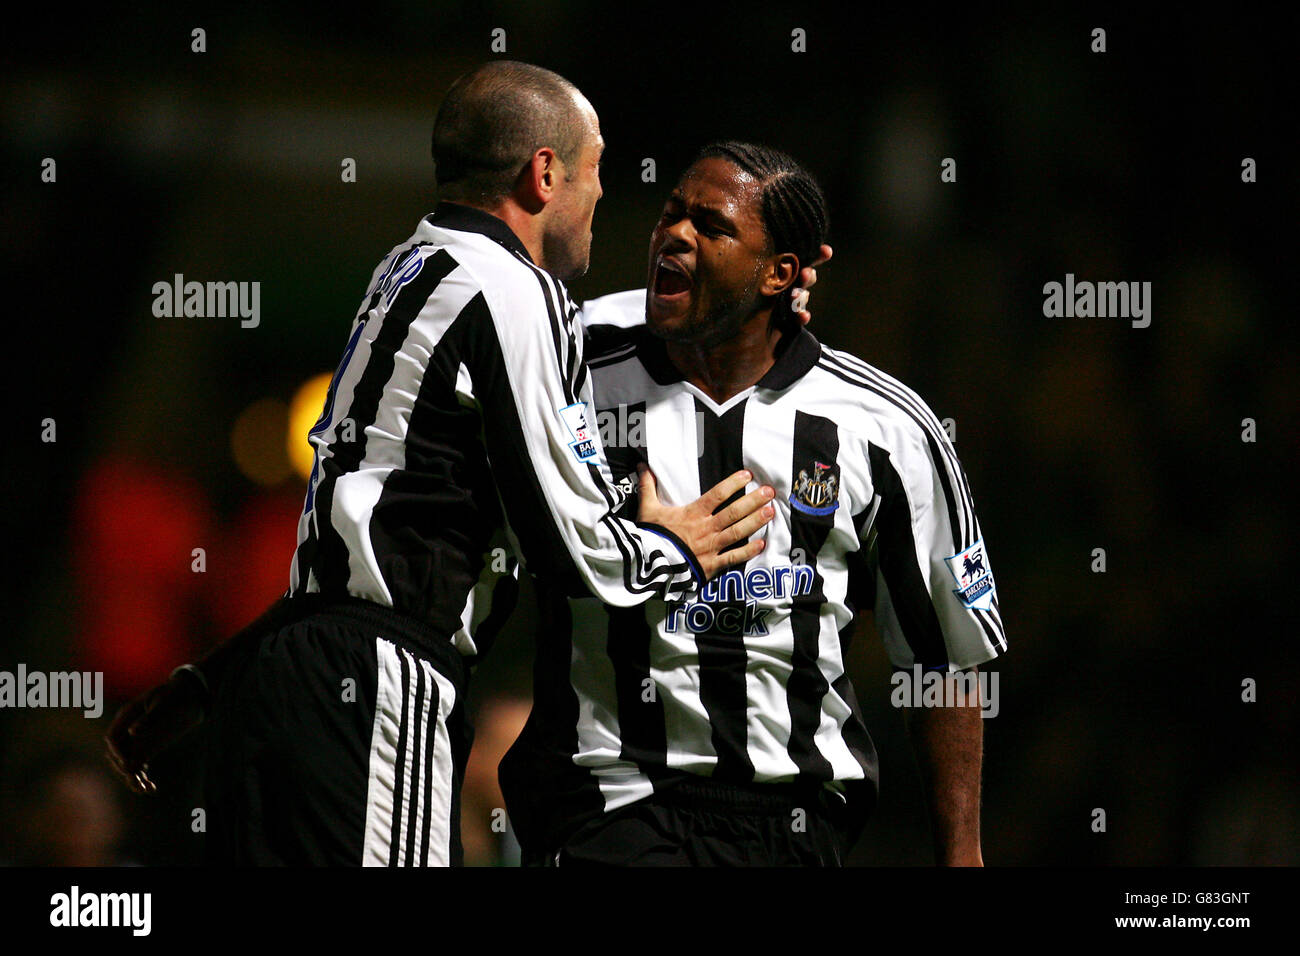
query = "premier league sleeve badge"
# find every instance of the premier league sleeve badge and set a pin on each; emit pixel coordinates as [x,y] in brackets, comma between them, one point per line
[584,444]
[974,578]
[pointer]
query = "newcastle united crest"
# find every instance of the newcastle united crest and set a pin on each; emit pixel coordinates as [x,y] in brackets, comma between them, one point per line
[816,493]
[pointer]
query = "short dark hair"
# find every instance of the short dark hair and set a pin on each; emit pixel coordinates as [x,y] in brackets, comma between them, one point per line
[491,122]
[793,204]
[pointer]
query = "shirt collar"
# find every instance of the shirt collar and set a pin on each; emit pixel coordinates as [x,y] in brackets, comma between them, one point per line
[454,215]
[795,357]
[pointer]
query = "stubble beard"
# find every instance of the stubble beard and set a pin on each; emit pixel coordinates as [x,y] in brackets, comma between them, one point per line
[722,322]
[569,257]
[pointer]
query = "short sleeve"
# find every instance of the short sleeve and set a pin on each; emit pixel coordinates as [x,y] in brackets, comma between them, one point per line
[936,600]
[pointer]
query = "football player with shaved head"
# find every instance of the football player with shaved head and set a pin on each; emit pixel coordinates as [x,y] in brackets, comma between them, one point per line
[457,428]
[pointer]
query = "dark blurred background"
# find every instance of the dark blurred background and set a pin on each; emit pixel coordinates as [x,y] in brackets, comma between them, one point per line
[1121,690]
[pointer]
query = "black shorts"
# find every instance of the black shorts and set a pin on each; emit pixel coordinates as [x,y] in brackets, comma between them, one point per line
[339,739]
[703,823]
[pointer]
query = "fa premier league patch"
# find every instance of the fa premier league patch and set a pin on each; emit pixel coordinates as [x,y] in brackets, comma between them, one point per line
[584,443]
[818,492]
[974,579]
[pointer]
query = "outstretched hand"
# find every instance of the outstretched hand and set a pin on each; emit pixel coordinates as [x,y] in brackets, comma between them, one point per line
[707,534]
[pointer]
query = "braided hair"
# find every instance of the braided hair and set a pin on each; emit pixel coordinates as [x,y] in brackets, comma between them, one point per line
[793,204]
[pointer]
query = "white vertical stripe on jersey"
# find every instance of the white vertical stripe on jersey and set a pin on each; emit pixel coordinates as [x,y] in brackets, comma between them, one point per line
[835,711]
[671,427]
[769,441]
[599,739]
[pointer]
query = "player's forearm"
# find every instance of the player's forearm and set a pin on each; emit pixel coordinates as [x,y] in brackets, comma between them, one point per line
[948,742]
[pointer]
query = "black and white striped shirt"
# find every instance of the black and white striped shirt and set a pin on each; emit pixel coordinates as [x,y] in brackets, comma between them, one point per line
[461,400]
[745,681]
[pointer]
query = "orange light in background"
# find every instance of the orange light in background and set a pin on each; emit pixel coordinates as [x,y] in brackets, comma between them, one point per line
[257,442]
[304,410]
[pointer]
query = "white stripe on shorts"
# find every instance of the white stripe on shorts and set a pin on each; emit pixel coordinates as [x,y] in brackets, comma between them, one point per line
[432,796]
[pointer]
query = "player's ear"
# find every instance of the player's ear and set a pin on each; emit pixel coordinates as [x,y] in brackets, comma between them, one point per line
[535,186]
[546,172]
[782,271]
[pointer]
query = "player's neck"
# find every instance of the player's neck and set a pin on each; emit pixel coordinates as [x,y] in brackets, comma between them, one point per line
[526,226]
[728,368]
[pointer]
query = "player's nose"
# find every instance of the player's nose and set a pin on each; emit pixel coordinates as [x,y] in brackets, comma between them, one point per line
[679,237]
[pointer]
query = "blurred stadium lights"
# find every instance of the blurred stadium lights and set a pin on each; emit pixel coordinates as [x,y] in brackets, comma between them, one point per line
[304,409]
[256,442]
